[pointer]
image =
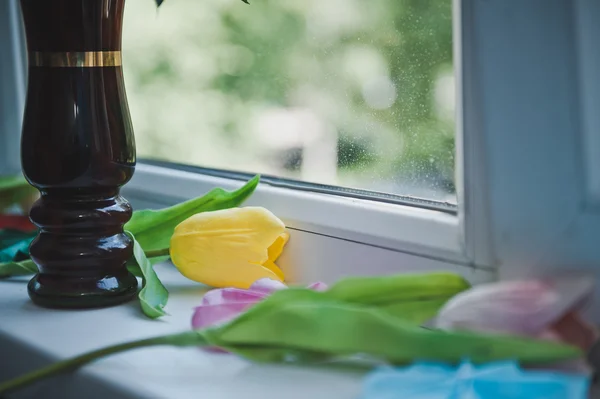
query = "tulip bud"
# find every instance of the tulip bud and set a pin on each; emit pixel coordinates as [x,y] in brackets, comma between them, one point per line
[544,308]
[229,248]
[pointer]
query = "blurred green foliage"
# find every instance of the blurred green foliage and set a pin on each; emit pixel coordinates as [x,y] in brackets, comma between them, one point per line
[15,191]
[377,73]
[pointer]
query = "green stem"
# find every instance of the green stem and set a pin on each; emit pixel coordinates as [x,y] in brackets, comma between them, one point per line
[185,339]
[70,364]
[157,252]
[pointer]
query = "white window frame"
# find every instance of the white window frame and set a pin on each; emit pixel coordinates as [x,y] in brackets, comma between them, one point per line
[12,86]
[531,87]
[527,144]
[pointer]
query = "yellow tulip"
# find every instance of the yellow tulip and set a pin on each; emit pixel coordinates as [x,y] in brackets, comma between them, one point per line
[229,248]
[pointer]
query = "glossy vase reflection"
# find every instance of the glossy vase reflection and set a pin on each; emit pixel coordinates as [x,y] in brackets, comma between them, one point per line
[78,149]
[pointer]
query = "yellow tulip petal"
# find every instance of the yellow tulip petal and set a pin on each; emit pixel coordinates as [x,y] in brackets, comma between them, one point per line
[276,248]
[226,248]
[240,276]
[269,264]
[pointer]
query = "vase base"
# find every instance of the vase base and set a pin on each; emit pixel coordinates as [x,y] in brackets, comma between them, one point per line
[60,293]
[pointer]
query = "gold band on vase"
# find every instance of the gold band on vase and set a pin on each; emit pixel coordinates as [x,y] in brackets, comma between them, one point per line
[75,59]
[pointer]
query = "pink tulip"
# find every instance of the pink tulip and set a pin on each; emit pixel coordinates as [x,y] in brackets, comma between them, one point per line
[543,308]
[221,305]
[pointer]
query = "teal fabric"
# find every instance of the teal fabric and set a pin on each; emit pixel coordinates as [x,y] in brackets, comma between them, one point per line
[14,245]
[503,380]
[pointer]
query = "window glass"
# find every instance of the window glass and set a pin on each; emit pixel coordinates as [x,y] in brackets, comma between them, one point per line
[353,93]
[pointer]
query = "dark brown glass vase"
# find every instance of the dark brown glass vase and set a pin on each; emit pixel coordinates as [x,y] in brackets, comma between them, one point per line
[78,150]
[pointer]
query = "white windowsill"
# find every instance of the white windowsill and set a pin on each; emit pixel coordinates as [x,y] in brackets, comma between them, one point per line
[31,337]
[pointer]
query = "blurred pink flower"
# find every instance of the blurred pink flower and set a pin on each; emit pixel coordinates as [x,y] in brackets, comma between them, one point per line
[221,305]
[544,308]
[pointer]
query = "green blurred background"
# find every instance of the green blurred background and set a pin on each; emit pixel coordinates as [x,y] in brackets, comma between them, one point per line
[356,93]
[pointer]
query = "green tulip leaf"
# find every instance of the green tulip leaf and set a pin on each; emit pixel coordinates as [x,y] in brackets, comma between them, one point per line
[287,322]
[153,228]
[416,297]
[417,311]
[12,269]
[134,268]
[153,295]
